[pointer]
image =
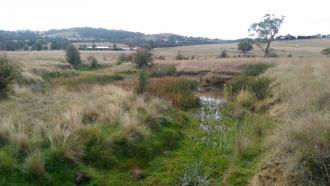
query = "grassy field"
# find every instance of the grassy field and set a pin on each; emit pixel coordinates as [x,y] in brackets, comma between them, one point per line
[59,122]
[298,48]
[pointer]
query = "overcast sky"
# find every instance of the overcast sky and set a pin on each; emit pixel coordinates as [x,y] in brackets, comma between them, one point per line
[225,19]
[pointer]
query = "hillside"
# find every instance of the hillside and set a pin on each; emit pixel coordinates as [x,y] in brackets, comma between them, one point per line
[33,40]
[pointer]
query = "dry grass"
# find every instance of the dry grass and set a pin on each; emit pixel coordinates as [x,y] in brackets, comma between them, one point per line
[305,48]
[299,147]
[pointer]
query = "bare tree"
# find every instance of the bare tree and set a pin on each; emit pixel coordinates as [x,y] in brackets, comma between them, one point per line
[265,31]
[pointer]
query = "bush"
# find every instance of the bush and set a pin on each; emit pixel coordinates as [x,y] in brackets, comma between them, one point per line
[143,81]
[256,69]
[8,75]
[94,63]
[179,56]
[7,162]
[124,58]
[167,70]
[142,58]
[326,52]
[72,56]
[223,54]
[273,55]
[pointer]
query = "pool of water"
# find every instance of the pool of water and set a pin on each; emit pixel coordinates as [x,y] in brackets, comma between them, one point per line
[209,118]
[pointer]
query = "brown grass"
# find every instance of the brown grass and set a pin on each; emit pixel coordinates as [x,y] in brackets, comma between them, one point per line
[299,147]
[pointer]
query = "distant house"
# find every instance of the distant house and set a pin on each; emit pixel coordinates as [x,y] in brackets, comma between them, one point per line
[287,37]
[99,48]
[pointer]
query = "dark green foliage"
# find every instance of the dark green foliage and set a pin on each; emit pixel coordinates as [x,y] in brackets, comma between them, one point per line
[223,54]
[256,69]
[167,70]
[94,63]
[7,162]
[245,45]
[142,82]
[98,149]
[72,56]
[8,75]
[326,52]
[143,58]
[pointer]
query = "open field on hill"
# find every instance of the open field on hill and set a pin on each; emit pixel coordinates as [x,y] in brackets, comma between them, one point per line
[298,48]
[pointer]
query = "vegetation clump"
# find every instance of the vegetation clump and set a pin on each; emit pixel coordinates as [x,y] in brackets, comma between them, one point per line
[72,56]
[177,90]
[166,70]
[223,54]
[8,75]
[326,52]
[143,58]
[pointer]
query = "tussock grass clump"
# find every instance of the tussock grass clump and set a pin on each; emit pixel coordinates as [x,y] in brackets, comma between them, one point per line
[166,70]
[34,165]
[258,86]
[65,145]
[177,90]
[245,99]
[257,69]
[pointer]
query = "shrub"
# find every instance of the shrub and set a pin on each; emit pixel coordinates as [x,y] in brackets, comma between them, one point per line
[8,75]
[273,55]
[72,56]
[223,54]
[7,162]
[179,56]
[34,165]
[245,45]
[290,55]
[94,63]
[124,58]
[167,70]
[326,52]
[142,58]
[256,69]
[161,58]
[142,82]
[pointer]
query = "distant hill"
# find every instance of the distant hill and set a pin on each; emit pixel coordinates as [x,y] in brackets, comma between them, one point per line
[121,36]
[59,38]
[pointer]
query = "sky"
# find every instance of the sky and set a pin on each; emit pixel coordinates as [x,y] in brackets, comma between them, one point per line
[223,19]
